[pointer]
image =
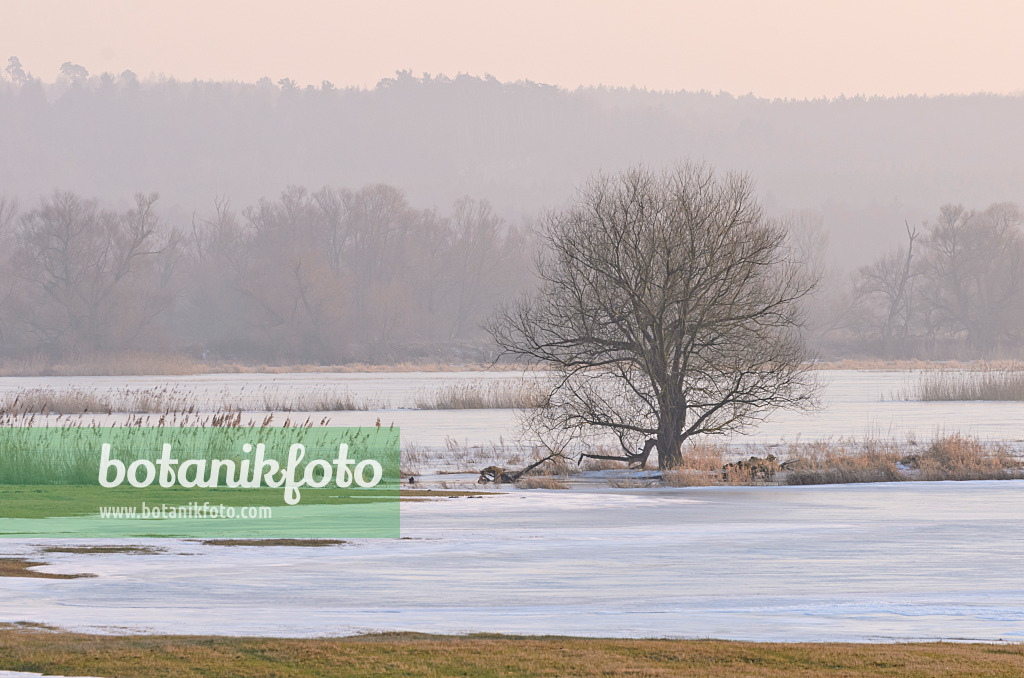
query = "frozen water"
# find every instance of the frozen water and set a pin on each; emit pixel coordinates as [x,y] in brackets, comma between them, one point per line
[868,562]
[856,403]
[855,562]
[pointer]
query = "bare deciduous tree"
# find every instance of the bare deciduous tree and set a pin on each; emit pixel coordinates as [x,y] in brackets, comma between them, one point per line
[884,298]
[974,263]
[669,307]
[91,278]
[8,214]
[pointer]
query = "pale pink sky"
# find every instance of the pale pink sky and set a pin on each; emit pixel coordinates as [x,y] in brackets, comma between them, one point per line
[773,48]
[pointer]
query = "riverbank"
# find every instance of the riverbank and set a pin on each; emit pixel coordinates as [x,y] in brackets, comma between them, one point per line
[53,652]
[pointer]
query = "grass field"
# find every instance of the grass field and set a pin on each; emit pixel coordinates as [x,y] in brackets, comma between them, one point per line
[35,649]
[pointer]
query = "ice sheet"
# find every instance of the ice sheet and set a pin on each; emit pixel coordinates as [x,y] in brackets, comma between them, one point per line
[856,403]
[855,562]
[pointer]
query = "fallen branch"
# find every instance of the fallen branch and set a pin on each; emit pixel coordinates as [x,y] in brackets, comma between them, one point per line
[498,475]
[631,459]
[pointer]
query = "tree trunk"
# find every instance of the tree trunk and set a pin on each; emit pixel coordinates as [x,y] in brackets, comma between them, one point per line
[669,443]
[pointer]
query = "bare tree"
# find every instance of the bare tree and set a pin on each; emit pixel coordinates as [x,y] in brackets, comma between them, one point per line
[8,214]
[974,263]
[91,278]
[884,293]
[669,307]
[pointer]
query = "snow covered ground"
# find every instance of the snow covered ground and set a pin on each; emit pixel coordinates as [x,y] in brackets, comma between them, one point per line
[856,562]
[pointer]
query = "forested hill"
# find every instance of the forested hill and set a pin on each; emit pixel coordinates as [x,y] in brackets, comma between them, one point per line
[864,164]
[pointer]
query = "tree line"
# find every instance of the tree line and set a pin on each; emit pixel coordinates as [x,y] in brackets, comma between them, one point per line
[864,163]
[321,276]
[953,289]
[339,275]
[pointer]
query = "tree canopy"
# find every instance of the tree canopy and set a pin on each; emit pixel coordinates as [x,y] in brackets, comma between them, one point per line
[668,307]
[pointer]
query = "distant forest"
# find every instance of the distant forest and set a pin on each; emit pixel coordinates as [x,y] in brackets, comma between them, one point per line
[430,185]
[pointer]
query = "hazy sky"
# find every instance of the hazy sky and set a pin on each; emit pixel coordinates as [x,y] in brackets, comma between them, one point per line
[774,48]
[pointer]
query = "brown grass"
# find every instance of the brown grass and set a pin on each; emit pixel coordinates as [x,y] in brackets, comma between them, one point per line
[64,401]
[132,550]
[991,384]
[952,457]
[602,464]
[701,466]
[822,463]
[541,483]
[494,395]
[21,567]
[34,649]
[959,458]
[504,394]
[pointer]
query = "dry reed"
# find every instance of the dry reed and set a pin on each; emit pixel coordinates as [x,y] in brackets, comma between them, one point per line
[541,483]
[993,384]
[701,465]
[495,395]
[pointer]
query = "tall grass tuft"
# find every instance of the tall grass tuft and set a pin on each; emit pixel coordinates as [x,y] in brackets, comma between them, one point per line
[1003,385]
[172,400]
[541,483]
[700,466]
[824,463]
[495,395]
[959,458]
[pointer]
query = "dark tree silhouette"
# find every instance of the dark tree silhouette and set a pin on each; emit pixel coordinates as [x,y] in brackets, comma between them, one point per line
[668,308]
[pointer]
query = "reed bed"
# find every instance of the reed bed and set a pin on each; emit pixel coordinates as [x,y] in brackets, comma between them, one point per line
[961,458]
[826,463]
[541,483]
[701,466]
[991,384]
[67,454]
[178,400]
[953,457]
[505,394]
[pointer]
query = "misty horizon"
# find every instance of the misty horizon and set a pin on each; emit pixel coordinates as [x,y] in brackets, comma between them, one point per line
[866,165]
